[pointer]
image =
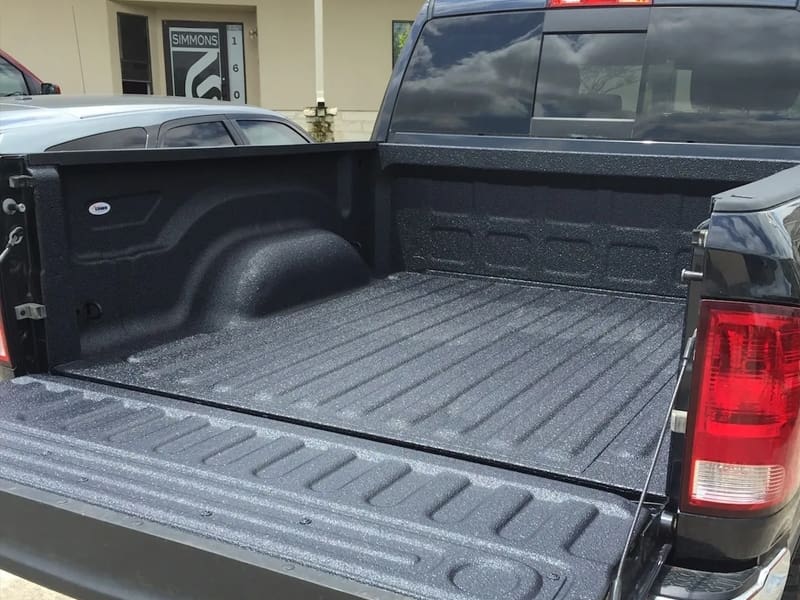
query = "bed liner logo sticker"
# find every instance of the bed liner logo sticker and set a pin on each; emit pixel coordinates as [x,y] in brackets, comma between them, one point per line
[99,208]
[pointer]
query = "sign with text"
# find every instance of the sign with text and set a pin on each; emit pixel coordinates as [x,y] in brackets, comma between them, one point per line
[236,83]
[205,60]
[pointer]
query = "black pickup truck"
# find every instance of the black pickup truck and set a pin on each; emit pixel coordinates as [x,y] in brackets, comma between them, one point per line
[539,339]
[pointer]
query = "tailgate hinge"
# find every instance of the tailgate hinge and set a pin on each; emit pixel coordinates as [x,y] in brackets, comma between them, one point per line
[18,182]
[31,310]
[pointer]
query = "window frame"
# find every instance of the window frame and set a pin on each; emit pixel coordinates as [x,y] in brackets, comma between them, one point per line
[167,126]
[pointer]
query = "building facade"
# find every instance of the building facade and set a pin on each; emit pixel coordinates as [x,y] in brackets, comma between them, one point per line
[286,55]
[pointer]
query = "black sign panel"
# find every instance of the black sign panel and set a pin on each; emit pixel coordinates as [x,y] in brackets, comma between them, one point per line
[197,60]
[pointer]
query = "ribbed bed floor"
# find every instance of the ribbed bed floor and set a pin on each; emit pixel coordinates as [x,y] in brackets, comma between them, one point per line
[565,381]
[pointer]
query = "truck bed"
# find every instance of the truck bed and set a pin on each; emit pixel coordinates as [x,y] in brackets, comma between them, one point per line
[201,503]
[363,382]
[548,379]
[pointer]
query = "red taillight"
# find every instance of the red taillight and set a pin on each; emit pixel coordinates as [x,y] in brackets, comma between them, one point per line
[5,355]
[743,447]
[576,3]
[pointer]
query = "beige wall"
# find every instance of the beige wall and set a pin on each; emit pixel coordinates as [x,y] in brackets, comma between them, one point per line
[286,49]
[358,49]
[74,43]
[62,41]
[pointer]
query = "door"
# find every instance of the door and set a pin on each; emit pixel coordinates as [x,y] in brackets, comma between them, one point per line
[205,60]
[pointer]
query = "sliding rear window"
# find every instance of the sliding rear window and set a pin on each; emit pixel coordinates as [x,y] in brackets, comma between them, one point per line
[701,74]
[472,75]
[589,85]
[698,74]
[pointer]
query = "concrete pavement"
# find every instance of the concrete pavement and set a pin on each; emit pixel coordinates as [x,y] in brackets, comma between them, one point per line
[14,588]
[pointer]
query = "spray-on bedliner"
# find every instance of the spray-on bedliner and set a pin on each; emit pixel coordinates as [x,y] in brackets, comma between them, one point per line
[553,379]
[423,526]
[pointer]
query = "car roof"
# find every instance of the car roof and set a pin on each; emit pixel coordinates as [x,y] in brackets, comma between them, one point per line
[18,108]
[25,119]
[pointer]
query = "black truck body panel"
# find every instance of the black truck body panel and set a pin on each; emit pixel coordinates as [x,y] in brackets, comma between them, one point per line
[763,194]
[743,261]
[749,253]
[377,516]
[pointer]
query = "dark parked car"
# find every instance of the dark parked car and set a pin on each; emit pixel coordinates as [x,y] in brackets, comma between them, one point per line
[538,340]
[16,80]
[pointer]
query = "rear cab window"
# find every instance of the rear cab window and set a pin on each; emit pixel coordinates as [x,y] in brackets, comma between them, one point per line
[716,74]
[679,74]
[589,85]
[472,74]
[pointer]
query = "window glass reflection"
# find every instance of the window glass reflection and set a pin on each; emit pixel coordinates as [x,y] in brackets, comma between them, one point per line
[472,74]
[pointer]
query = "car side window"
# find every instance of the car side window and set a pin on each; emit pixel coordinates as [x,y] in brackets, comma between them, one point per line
[193,135]
[12,82]
[270,133]
[133,138]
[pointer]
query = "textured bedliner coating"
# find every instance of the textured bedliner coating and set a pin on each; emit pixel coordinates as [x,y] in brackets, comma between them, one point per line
[546,378]
[402,520]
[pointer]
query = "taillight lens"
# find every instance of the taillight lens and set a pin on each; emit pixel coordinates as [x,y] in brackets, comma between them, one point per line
[576,3]
[743,445]
[5,355]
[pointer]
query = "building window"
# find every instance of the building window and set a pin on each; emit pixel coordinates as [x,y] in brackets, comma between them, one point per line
[134,51]
[400,33]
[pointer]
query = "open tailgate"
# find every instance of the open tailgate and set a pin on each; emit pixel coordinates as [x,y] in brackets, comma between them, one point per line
[107,493]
